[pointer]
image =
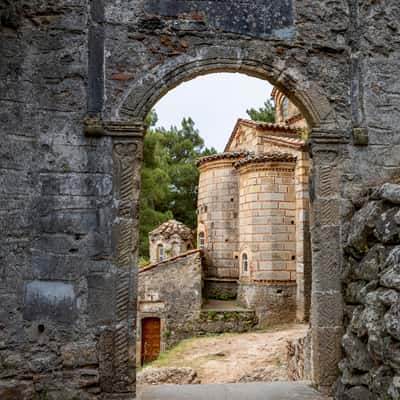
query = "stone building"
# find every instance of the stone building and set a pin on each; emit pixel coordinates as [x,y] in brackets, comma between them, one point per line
[171,306]
[169,240]
[253,218]
[169,299]
[77,81]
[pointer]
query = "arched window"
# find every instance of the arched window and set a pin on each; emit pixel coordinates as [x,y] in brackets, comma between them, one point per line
[175,249]
[160,252]
[245,262]
[285,108]
[202,241]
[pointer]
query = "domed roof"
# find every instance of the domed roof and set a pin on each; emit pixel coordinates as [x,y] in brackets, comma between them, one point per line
[173,227]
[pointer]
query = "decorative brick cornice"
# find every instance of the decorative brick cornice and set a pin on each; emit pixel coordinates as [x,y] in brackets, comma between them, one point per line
[223,156]
[295,118]
[265,158]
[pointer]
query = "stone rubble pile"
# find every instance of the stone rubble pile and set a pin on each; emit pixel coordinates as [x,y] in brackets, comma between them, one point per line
[168,375]
[271,373]
[298,358]
[371,276]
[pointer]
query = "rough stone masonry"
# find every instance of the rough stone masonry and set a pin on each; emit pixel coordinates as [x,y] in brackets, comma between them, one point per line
[77,78]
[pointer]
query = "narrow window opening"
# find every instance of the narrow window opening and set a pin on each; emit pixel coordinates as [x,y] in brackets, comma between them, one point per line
[202,241]
[245,262]
[160,250]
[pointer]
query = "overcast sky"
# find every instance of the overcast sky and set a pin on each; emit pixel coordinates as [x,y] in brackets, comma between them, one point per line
[214,102]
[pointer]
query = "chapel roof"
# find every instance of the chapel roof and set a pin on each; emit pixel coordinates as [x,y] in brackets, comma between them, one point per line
[271,129]
[173,227]
[265,157]
[223,156]
[295,142]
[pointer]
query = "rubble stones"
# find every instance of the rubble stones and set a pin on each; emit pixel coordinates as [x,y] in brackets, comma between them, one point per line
[387,230]
[372,293]
[168,375]
[368,268]
[362,226]
[357,354]
[392,321]
[390,192]
[391,275]
[358,393]
[265,374]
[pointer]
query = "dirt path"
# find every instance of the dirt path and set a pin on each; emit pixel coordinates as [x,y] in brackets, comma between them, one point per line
[226,358]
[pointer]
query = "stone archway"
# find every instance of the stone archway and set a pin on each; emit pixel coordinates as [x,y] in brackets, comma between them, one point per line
[326,143]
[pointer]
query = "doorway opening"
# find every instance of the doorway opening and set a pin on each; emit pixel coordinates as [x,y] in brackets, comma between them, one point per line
[240,270]
[151,339]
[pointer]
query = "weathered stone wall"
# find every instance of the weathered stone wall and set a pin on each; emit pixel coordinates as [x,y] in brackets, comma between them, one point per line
[273,304]
[267,220]
[337,60]
[371,368]
[215,322]
[58,267]
[220,289]
[299,358]
[218,214]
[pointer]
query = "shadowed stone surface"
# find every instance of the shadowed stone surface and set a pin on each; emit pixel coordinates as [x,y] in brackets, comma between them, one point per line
[238,391]
[253,18]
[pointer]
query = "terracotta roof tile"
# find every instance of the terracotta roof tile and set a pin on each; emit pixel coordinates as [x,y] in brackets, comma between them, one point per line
[291,141]
[263,126]
[172,227]
[265,157]
[222,156]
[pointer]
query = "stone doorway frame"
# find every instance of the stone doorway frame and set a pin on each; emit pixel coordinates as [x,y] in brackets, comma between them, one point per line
[327,148]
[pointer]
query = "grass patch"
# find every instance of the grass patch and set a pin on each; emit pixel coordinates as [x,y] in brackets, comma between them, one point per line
[277,362]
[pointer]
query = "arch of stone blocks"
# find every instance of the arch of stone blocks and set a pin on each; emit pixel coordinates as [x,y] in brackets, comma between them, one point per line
[326,143]
[150,87]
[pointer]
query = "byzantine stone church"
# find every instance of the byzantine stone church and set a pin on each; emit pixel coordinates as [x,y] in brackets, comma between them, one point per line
[253,216]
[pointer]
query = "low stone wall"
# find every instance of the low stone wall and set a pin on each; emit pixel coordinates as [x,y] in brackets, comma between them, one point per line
[371,367]
[272,303]
[299,358]
[225,321]
[220,290]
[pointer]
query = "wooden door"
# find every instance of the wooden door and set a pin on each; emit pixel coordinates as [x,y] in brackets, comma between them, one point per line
[151,329]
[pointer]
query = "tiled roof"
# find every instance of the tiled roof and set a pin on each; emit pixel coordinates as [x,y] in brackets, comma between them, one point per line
[222,156]
[291,141]
[265,157]
[272,128]
[172,227]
